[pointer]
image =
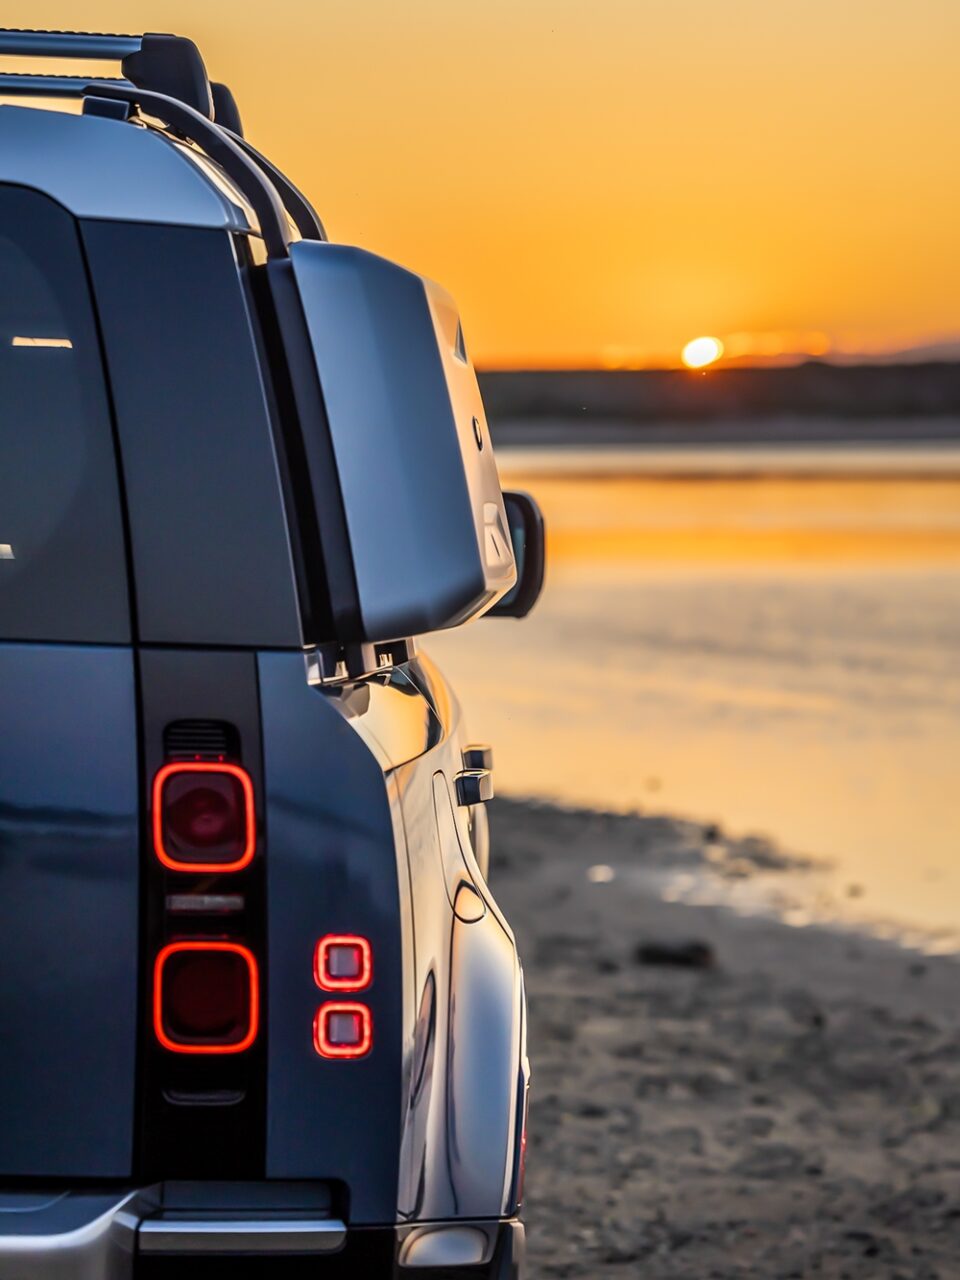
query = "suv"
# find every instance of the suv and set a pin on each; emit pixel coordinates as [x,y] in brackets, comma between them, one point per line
[257,1003]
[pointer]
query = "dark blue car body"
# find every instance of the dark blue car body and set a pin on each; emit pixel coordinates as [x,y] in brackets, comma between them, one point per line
[160,605]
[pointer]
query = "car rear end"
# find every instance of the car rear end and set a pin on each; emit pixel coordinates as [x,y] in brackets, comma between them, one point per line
[258,1005]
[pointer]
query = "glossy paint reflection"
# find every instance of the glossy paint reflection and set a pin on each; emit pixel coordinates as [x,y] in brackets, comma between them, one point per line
[459,1135]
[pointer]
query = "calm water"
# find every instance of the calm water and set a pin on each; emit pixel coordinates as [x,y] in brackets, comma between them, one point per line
[775,653]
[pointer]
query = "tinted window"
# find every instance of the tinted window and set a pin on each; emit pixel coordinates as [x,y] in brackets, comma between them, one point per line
[62,566]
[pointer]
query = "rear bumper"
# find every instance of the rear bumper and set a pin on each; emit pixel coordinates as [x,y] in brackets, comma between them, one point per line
[66,1235]
[128,1235]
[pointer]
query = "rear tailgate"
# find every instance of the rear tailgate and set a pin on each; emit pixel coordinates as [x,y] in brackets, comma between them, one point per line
[68,910]
[68,735]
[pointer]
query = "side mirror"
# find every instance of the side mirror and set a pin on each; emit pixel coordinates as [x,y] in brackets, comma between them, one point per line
[527,535]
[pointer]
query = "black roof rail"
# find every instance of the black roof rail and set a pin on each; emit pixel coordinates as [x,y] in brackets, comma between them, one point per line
[221,147]
[18,84]
[67,44]
[305,217]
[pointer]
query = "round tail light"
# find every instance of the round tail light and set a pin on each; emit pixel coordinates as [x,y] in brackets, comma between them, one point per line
[203,817]
[206,997]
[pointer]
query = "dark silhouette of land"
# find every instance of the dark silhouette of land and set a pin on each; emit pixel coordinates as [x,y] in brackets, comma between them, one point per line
[812,402]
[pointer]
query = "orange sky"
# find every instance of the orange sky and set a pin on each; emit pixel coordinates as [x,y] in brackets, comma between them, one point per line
[599,181]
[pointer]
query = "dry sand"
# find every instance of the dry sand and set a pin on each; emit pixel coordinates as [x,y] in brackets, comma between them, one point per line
[792,1109]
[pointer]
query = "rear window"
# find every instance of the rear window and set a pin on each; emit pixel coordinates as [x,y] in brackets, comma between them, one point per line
[62,561]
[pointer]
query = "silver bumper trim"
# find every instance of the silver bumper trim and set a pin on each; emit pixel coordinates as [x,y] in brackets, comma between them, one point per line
[226,1236]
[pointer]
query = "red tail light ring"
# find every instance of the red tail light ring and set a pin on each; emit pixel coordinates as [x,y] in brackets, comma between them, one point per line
[204,1002]
[343,1030]
[343,962]
[209,826]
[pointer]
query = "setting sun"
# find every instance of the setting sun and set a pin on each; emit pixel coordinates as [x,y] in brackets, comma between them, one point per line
[701,351]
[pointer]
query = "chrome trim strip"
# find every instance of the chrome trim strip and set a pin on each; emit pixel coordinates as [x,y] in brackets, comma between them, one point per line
[241,1235]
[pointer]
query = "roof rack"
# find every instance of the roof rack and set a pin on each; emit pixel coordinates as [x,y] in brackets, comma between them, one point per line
[68,44]
[166,77]
[163,63]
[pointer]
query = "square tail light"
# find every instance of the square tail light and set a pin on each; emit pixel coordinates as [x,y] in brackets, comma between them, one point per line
[206,997]
[343,1030]
[343,962]
[203,817]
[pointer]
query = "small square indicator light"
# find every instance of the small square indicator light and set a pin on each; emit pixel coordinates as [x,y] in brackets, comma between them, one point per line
[343,962]
[343,1031]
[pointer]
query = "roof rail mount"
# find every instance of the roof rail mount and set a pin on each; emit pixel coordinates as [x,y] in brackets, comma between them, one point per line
[225,109]
[171,65]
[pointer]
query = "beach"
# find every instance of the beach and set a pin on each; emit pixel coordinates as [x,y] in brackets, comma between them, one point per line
[770,1102]
[728,736]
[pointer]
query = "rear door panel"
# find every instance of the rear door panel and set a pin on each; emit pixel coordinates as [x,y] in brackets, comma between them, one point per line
[68,910]
[332,867]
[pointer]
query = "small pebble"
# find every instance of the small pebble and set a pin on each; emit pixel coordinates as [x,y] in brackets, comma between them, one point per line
[685,955]
[600,874]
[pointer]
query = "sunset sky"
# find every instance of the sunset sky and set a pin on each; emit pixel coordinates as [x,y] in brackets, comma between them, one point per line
[599,181]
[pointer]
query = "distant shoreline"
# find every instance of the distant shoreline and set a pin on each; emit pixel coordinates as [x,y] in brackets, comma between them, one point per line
[749,460]
[810,403]
[779,431]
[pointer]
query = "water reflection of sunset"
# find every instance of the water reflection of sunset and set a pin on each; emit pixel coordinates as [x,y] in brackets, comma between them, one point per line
[749,520]
[774,653]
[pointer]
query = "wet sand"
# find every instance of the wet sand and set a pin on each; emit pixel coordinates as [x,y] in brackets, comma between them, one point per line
[791,1108]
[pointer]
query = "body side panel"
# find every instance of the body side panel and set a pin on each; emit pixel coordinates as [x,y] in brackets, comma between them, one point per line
[333,867]
[68,910]
[459,1128]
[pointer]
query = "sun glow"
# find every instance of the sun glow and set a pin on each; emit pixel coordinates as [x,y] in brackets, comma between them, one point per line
[700,352]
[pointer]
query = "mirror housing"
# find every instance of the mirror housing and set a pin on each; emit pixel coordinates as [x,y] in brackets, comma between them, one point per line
[527,534]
